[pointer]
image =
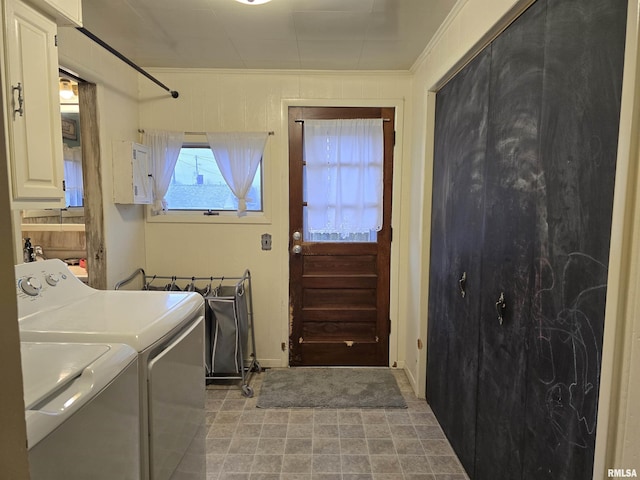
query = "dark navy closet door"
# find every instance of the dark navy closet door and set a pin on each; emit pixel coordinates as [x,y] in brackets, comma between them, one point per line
[513,168]
[584,49]
[524,172]
[456,247]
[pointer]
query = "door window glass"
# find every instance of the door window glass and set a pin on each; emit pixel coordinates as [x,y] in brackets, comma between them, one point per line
[343,180]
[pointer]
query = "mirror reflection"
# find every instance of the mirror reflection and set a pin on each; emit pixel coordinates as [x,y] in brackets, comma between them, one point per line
[60,233]
[72,153]
[72,150]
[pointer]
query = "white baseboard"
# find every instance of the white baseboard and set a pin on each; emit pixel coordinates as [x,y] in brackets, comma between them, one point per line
[413,382]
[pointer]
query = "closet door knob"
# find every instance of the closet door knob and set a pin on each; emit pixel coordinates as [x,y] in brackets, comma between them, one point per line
[500,308]
[461,284]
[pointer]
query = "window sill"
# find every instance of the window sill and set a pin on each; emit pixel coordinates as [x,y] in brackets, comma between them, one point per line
[252,218]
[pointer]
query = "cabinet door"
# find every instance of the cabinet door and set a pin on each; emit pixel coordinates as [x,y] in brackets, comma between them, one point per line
[35,138]
[456,246]
[580,117]
[512,183]
[142,180]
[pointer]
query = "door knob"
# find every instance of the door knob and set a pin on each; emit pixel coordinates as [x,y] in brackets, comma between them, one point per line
[297,249]
[501,305]
[296,236]
[462,283]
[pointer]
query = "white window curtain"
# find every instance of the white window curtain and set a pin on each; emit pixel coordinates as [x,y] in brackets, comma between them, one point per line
[74,190]
[344,175]
[238,156]
[164,148]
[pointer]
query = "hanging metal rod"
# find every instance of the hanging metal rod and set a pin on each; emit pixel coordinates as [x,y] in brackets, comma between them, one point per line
[302,121]
[112,50]
[141,130]
[65,73]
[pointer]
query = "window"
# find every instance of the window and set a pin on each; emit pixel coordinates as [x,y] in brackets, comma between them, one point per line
[198,184]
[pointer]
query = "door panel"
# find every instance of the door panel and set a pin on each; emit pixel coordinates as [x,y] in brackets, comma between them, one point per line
[339,292]
[578,152]
[513,169]
[176,391]
[456,245]
[36,140]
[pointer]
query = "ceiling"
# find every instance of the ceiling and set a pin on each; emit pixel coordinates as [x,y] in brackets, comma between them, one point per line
[282,34]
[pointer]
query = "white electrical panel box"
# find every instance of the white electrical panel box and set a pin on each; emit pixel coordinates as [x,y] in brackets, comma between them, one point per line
[132,173]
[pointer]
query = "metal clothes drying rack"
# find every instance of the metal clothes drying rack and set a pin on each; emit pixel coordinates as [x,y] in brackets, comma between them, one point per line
[228,322]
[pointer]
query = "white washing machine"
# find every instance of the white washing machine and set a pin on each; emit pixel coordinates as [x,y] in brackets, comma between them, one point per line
[81,410]
[167,331]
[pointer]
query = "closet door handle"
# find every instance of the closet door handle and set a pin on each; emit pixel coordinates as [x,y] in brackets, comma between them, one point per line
[462,283]
[500,308]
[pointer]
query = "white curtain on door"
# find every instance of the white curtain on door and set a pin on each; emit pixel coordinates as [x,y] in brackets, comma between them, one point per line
[165,148]
[344,175]
[238,156]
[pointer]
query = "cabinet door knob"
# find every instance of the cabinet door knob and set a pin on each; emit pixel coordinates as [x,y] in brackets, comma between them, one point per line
[461,284]
[20,109]
[500,308]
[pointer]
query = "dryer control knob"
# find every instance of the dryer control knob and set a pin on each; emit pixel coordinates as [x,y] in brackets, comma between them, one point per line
[30,286]
[52,279]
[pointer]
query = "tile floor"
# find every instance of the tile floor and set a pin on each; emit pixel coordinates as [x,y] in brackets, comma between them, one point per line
[248,443]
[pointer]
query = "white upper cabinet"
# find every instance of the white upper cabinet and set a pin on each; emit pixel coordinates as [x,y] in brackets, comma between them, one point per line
[32,107]
[132,178]
[64,12]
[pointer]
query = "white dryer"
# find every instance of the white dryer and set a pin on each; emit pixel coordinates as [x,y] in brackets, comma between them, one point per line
[81,410]
[167,331]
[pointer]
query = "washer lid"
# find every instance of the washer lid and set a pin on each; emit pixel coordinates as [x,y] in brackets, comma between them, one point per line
[60,378]
[48,367]
[136,318]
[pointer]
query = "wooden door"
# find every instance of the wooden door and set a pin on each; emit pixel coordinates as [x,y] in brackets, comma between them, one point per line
[338,291]
[456,247]
[511,192]
[584,58]
[554,106]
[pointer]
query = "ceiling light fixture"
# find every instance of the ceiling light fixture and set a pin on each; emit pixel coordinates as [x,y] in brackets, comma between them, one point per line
[66,91]
[253,2]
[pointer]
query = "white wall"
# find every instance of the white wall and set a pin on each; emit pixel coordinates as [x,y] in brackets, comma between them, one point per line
[471,26]
[117,86]
[220,100]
